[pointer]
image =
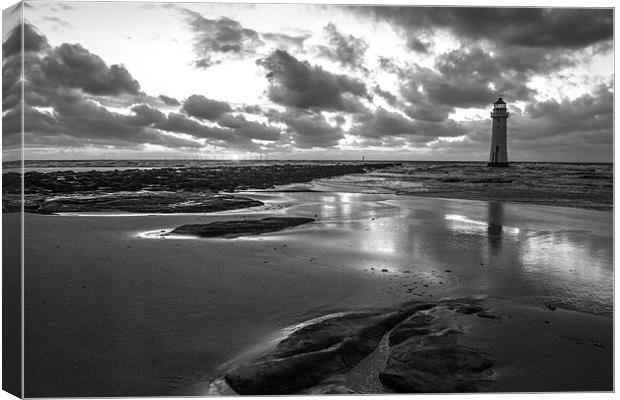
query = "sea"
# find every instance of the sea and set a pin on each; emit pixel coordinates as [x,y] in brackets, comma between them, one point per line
[581,185]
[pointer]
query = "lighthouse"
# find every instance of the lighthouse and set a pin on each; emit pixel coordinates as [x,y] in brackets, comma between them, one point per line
[498,156]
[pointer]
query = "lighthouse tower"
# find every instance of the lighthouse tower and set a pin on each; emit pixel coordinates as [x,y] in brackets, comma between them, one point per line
[499,115]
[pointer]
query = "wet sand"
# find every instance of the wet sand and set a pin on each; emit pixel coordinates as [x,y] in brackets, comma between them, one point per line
[110,311]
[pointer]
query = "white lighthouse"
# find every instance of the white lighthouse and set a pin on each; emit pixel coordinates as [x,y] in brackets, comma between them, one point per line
[499,156]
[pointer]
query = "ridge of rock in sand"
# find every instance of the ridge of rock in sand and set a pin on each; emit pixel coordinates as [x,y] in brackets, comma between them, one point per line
[160,202]
[311,354]
[240,227]
[424,355]
[435,363]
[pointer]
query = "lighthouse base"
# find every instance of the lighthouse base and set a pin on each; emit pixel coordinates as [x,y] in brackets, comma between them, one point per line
[497,164]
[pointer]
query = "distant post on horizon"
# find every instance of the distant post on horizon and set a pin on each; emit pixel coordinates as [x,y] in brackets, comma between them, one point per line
[499,154]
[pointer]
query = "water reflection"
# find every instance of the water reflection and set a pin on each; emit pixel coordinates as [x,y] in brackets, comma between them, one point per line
[495,226]
[492,249]
[538,255]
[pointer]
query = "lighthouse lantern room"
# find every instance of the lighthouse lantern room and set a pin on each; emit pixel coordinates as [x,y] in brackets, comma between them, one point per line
[498,155]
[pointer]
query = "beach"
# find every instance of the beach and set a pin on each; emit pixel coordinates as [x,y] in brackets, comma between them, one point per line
[116,307]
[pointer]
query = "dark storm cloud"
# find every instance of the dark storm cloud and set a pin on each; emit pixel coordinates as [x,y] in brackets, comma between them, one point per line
[145,115]
[529,27]
[518,44]
[588,113]
[180,123]
[74,66]
[384,124]
[215,38]
[308,129]
[300,84]
[33,41]
[424,111]
[201,107]
[462,78]
[170,101]
[249,129]
[345,49]
[418,45]
[11,82]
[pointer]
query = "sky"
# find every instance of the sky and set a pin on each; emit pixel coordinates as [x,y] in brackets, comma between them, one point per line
[297,81]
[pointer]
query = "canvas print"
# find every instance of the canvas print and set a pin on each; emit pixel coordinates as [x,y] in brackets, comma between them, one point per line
[213,199]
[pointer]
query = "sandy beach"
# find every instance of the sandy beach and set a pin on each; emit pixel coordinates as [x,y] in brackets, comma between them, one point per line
[114,309]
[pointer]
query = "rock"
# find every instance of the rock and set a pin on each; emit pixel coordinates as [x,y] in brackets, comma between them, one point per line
[240,227]
[159,202]
[435,364]
[314,352]
[416,325]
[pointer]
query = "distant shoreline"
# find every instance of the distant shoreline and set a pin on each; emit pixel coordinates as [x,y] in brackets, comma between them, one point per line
[62,162]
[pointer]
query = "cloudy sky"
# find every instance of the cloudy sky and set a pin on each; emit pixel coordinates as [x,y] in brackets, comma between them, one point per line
[155,80]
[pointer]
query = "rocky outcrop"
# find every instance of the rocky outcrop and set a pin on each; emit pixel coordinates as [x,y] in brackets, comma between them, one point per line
[425,355]
[317,351]
[213,178]
[188,182]
[240,227]
[417,325]
[161,202]
[435,363]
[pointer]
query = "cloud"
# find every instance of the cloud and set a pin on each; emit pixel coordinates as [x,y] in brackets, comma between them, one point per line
[389,97]
[33,41]
[11,82]
[300,84]
[308,129]
[418,45]
[57,22]
[588,113]
[180,123]
[250,129]
[68,85]
[74,66]
[528,27]
[383,124]
[217,39]
[170,101]
[345,49]
[201,107]
[145,115]
[505,46]
[69,82]
[467,77]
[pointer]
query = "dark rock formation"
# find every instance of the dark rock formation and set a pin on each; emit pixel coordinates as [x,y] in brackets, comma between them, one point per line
[313,353]
[161,202]
[39,187]
[414,326]
[240,227]
[435,363]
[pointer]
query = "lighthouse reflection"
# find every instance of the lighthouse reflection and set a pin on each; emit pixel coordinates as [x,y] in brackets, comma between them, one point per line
[495,226]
